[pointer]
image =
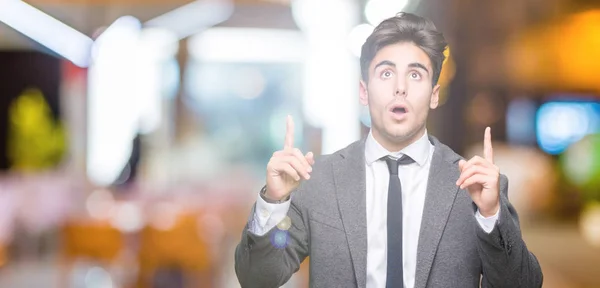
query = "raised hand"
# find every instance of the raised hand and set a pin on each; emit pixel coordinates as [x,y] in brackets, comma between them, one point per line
[287,167]
[481,178]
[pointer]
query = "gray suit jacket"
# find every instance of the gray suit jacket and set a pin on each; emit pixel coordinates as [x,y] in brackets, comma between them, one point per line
[328,216]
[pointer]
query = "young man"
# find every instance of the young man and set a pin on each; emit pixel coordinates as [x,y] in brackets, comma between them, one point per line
[396,209]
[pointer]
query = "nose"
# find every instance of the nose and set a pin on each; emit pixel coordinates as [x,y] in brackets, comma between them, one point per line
[400,89]
[400,92]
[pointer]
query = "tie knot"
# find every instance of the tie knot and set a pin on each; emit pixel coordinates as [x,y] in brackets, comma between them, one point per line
[394,163]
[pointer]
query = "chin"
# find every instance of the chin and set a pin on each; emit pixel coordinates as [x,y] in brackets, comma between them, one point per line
[399,129]
[402,133]
[398,133]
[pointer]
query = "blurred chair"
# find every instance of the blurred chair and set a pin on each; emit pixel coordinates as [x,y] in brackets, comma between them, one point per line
[95,241]
[178,253]
[3,255]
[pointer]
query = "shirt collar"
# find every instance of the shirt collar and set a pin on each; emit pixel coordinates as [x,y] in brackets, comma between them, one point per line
[418,150]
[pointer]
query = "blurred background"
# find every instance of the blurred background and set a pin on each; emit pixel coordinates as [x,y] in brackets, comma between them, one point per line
[134,134]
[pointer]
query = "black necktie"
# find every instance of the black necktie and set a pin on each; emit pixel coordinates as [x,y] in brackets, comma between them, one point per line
[395,273]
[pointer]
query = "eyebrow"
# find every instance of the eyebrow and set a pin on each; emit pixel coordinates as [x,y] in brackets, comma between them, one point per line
[385,63]
[418,65]
[392,64]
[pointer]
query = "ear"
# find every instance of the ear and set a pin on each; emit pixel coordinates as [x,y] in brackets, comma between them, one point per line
[364,94]
[435,97]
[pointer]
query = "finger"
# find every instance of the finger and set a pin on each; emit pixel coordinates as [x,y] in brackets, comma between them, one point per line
[298,154]
[297,165]
[289,133]
[477,160]
[473,170]
[475,179]
[472,162]
[488,152]
[461,165]
[310,157]
[288,169]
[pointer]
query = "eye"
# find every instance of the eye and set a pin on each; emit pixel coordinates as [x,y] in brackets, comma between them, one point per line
[414,75]
[386,74]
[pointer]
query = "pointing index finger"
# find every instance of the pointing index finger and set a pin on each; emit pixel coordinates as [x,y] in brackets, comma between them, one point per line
[488,152]
[289,133]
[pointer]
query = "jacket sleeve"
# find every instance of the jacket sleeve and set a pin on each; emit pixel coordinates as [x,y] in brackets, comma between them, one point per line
[504,256]
[271,259]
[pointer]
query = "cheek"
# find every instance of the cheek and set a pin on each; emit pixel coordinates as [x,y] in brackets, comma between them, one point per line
[380,94]
[420,96]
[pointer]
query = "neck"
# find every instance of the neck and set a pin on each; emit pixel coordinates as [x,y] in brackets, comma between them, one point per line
[396,144]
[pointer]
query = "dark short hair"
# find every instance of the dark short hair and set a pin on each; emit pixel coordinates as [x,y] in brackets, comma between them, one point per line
[405,27]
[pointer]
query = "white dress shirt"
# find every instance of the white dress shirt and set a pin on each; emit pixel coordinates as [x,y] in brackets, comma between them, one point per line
[413,178]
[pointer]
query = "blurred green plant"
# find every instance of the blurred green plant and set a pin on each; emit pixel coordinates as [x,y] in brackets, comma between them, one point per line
[581,166]
[35,140]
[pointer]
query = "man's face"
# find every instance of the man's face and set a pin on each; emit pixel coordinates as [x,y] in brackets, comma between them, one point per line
[399,94]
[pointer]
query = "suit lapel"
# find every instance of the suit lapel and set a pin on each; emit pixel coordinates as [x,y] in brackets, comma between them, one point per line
[349,177]
[441,192]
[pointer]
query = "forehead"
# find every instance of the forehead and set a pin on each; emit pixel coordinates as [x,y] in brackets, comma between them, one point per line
[402,54]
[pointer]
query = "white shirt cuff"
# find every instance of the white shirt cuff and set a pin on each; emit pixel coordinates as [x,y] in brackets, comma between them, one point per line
[267,215]
[487,223]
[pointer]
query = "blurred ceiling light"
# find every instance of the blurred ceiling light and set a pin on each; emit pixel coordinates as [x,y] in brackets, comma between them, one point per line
[323,16]
[126,88]
[158,43]
[194,17]
[156,47]
[327,96]
[378,10]
[113,103]
[247,45]
[125,28]
[560,124]
[358,36]
[46,30]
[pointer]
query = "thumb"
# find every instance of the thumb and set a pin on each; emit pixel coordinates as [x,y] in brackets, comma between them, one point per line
[461,164]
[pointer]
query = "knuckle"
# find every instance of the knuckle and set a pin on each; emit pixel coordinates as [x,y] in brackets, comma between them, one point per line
[290,169]
[272,163]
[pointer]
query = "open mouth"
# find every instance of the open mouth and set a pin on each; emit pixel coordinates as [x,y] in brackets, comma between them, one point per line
[398,109]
